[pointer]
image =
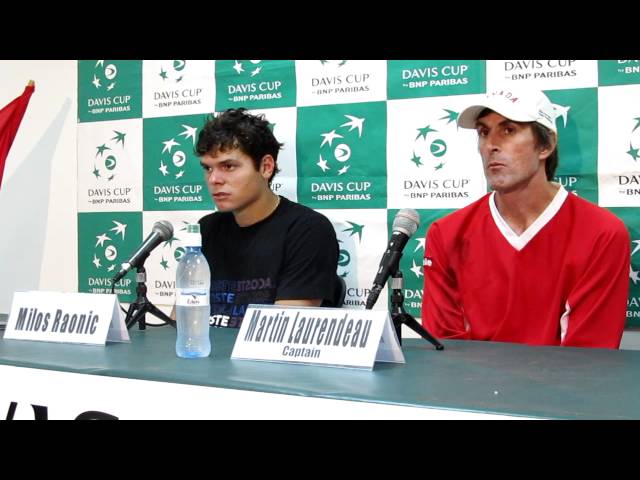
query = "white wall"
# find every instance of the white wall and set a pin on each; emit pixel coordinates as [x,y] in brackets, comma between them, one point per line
[38,243]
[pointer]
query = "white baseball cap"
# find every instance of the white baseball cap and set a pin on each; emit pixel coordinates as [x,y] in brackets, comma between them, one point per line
[519,106]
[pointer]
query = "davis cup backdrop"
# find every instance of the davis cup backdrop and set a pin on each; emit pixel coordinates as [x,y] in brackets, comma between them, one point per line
[363,139]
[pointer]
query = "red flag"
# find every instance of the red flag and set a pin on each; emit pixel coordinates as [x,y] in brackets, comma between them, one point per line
[10,118]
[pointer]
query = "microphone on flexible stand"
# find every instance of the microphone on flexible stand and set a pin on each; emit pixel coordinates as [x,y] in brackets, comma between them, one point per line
[404,226]
[162,231]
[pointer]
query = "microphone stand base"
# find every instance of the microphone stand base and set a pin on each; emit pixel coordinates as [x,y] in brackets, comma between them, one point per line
[400,316]
[403,317]
[141,306]
[137,313]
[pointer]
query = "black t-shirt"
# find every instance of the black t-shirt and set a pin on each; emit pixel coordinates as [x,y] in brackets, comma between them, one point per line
[290,255]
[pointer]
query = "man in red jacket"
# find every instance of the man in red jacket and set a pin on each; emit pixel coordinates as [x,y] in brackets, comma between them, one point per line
[528,262]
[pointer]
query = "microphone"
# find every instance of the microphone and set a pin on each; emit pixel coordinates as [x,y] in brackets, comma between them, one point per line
[162,231]
[404,225]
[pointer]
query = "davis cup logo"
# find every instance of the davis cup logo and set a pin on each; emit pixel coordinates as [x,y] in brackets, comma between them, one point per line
[333,63]
[174,72]
[413,269]
[335,148]
[106,158]
[561,111]
[569,182]
[634,141]
[101,91]
[418,253]
[242,82]
[177,253]
[247,68]
[430,144]
[173,160]
[104,76]
[105,252]
[344,258]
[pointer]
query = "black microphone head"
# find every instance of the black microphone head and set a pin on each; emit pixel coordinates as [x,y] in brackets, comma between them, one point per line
[406,221]
[164,229]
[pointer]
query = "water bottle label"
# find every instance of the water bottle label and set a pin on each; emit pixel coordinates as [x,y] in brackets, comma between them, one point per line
[192,300]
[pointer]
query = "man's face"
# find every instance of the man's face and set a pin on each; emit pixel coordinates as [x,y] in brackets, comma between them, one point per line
[233,181]
[509,153]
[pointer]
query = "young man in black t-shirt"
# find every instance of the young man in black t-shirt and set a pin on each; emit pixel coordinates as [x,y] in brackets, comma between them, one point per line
[261,247]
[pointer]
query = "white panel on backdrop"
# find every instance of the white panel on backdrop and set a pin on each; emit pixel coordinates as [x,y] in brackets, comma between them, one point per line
[362,238]
[324,82]
[619,146]
[177,87]
[431,163]
[542,74]
[284,124]
[110,166]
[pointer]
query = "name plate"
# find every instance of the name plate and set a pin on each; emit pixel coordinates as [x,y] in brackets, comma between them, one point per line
[86,318]
[337,337]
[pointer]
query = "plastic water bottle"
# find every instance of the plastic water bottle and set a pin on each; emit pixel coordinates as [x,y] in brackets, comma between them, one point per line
[193,280]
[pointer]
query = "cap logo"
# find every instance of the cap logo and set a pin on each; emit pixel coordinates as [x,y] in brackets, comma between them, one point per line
[507,95]
[546,116]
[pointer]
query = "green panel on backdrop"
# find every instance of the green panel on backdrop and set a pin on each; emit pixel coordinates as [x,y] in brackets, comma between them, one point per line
[577,124]
[255,84]
[109,90]
[618,72]
[435,78]
[105,241]
[173,177]
[341,154]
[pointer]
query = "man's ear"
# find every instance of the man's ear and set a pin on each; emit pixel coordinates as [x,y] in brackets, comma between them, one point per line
[267,166]
[547,150]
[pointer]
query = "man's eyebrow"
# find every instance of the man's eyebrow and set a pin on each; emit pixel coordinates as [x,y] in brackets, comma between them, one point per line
[480,123]
[226,160]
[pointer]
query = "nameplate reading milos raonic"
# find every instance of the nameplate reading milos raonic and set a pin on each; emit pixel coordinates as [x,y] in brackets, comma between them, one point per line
[84,318]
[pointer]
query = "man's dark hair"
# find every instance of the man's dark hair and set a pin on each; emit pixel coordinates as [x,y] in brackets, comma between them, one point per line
[543,137]
[235,128]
